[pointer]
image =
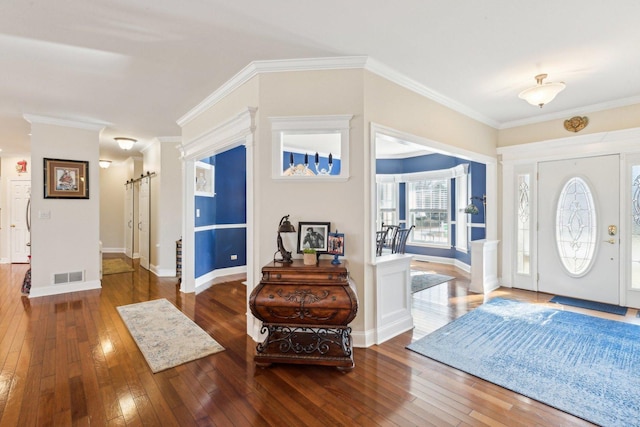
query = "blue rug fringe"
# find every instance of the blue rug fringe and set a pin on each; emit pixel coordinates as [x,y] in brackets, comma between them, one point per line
[591,305]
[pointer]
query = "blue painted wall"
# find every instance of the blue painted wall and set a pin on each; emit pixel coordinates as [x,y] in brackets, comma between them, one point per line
[214,247]
[438,162]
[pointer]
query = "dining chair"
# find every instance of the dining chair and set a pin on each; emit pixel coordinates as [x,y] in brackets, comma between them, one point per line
[381,239]
[400,240]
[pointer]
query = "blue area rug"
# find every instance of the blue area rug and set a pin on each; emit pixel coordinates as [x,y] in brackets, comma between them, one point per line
[591,305]
[421,280]
[586,366]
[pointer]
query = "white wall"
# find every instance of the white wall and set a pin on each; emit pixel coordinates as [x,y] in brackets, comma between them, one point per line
[8,172]
[68,241]
[162,157]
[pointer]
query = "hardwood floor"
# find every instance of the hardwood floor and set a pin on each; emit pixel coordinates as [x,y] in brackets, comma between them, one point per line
[69,360]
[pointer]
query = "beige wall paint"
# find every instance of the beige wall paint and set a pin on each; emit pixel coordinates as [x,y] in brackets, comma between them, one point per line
[341,203]
[345,204]
[112,206]
[391,105]
[600,121]
[229,106]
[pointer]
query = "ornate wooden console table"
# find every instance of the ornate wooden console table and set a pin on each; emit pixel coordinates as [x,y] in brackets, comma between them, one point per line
[305,310]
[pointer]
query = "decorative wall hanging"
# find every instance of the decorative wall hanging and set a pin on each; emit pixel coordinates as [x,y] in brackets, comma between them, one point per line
[21,166]
[576,124]
[66,179]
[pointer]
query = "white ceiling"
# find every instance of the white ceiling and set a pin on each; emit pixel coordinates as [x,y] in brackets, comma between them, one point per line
[138,66]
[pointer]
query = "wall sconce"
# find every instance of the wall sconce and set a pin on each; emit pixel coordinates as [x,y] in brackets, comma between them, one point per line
[284,227]
[104,164]
[541,93]
[473,209]
[125,143]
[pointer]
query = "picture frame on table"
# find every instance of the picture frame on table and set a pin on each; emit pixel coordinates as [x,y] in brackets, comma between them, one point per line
[66,179]
[313,235]
[335,245]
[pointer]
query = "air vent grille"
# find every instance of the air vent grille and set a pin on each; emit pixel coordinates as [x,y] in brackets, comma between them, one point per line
[70,277]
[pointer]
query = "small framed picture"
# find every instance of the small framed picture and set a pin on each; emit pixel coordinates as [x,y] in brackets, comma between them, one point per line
[313,235]
[66,179]
[205,174]
[336,244]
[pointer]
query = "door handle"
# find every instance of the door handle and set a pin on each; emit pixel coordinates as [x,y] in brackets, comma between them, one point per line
[611,241]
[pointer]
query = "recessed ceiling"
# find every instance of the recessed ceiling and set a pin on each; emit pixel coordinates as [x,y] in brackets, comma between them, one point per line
[139,66]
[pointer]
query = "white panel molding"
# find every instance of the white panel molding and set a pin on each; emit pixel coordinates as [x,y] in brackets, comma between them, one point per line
[222,137]
[94,126]
[393,296]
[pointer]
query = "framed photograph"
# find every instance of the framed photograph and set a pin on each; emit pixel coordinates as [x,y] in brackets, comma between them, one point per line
[313,235]
[336,244]
[66,179]
[205,174]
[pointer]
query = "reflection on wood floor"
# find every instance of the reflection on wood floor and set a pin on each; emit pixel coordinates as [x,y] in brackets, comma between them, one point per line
[69,360]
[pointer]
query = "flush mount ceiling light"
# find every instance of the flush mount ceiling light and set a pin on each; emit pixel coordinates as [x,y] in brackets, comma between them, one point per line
[541,93]
[125,143]
[104,164]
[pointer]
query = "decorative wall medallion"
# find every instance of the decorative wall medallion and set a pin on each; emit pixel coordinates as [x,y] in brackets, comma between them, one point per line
[576,124]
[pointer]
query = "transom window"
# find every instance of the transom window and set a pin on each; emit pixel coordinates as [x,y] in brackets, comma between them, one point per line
[428,210]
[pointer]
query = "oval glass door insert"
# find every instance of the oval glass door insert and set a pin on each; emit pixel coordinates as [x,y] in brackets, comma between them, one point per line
[576,227]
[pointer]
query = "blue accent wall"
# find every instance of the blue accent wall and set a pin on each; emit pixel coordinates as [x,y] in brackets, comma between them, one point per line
[438,162]
[214,246]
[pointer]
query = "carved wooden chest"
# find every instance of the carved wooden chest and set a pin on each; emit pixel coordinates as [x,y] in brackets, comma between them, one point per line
[305,312]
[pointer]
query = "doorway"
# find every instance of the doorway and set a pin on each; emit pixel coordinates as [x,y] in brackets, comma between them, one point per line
[20,235]
[578,214]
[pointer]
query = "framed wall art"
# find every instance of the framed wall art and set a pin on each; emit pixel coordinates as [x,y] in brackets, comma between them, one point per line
[66,179]
[313,235]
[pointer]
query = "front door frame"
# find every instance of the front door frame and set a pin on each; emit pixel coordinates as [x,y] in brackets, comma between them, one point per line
[527,157]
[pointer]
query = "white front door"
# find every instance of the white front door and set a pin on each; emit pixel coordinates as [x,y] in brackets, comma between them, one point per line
[20,236]
[143,221]
[578,214]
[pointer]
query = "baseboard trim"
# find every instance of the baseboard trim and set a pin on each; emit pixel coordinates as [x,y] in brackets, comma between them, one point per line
[43,291]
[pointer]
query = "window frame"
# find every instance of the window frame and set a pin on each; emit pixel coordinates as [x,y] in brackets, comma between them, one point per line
[410,218]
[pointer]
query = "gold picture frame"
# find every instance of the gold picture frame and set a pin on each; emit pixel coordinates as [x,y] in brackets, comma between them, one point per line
[66,179]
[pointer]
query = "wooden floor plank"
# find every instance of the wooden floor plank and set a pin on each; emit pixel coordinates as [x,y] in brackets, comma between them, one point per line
[70,360]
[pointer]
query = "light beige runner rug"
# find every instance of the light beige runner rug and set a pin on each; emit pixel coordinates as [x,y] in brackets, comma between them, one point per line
[165,336]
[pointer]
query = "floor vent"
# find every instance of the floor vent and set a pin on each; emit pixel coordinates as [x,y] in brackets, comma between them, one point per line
[71,277]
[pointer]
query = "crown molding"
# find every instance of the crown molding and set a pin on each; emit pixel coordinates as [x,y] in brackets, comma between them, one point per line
[337,63]
[573,112]
[394,76]
[45,120]
[274,66]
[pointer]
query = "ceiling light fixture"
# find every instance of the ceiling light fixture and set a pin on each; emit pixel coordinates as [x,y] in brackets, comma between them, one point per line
[125,143]
[541,93]
[104,164]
